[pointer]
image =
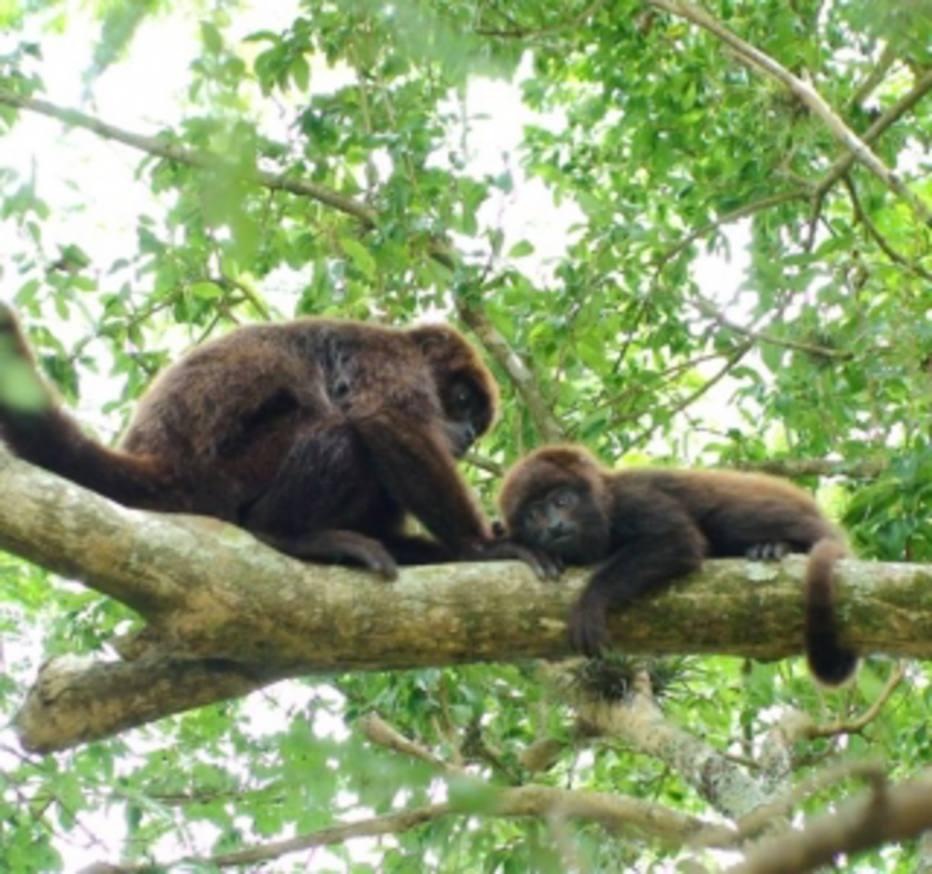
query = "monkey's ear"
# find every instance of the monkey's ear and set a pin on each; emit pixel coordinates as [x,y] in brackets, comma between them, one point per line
[431,339]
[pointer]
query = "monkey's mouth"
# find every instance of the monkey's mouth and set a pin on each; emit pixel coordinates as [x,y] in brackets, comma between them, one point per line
[561,545]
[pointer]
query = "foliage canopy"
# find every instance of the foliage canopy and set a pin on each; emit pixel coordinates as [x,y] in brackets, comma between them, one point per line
[666,249]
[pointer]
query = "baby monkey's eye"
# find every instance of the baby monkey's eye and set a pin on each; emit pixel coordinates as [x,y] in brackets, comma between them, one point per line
[565,498]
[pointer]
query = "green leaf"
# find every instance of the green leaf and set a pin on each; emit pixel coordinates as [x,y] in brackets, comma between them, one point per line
[359,255]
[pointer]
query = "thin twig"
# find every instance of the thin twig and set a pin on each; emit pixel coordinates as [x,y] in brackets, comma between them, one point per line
[763,63]
[379,732]
[691,398]
[526,32]
[875,234]
[875,76]
[729,217]
[172,152]
[708,309]
[486,464]
[859,723]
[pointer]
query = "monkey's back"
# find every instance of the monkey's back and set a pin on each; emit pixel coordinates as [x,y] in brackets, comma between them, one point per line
[736,510]
[199,403]
[225,415]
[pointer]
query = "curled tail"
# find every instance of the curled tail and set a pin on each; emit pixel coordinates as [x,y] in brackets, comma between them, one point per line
[829,661]
[35,427]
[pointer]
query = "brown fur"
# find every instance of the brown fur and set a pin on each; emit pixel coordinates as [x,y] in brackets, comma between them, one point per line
[649,526]
[318,435]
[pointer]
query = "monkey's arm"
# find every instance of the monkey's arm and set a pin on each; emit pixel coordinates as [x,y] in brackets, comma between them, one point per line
[335,545]
[654,540]
[412,549]
[413,463]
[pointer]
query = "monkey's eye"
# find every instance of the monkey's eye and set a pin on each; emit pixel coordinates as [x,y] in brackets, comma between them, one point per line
[536,513]
[461,397]
[565,499]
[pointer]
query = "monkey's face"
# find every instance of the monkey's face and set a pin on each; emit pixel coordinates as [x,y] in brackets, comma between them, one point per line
[466,389]
[566,521]
[467,412]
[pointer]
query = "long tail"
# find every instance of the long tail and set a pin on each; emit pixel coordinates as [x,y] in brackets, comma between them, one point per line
[35,427]
[829,661]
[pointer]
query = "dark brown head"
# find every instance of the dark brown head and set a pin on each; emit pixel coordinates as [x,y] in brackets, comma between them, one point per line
[466,388]
[555,500]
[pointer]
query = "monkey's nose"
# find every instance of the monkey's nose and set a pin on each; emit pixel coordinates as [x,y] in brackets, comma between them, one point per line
[557,530]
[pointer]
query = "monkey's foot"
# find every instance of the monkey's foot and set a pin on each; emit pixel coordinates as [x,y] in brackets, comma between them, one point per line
[768,551]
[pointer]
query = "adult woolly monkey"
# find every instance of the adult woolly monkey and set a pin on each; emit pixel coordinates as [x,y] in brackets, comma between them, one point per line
[317,435]
[647,527]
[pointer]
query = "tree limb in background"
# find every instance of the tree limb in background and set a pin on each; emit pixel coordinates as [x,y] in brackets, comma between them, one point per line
[843,164]
[616,813]
[887,812]
[392,823]
[797,467]
[861,216]
[524,380]
[782,805]
[639,723]
[191,158]
[874,76]
[762,62]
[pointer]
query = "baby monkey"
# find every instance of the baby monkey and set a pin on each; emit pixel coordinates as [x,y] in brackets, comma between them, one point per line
[647,527]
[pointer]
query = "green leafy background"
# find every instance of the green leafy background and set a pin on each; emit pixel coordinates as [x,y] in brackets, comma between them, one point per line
[583,162]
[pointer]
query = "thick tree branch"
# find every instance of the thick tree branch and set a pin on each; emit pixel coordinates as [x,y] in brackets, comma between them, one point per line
[762,62]
[234,605]
[75,700]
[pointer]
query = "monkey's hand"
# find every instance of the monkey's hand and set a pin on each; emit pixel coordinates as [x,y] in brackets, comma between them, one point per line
[588,629]
[334,545]
[546,567]
[772,551]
